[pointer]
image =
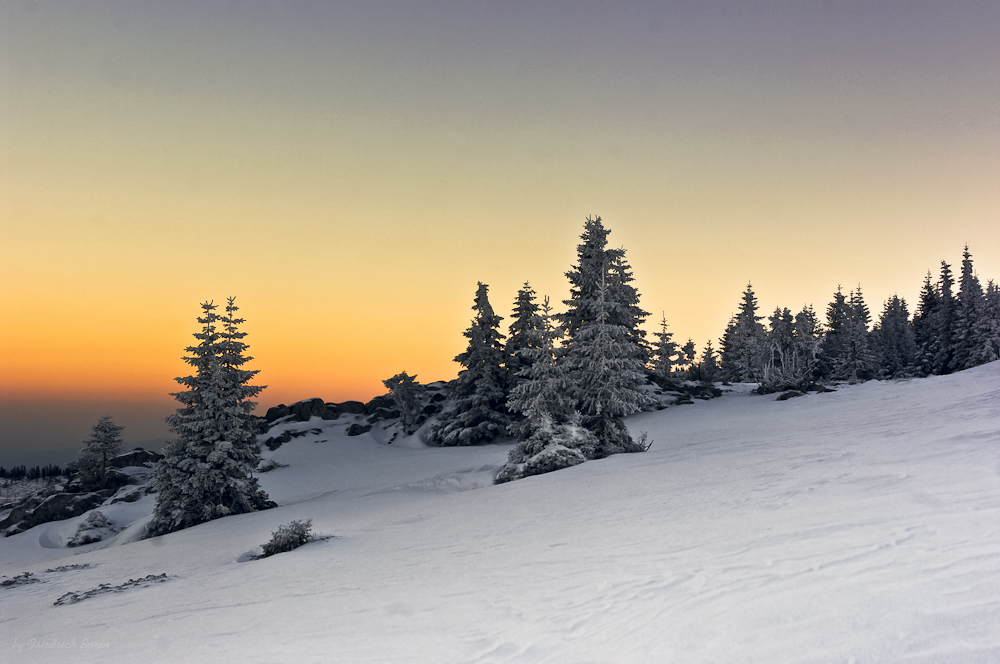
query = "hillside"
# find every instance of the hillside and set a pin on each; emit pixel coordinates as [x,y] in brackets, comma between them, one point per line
[861,525]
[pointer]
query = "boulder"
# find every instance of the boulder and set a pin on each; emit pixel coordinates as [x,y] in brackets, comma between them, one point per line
[275,413]
[137,457]
[383,414]
[351,408]
[274,442]
[383,402]
[306,408]
[357,429]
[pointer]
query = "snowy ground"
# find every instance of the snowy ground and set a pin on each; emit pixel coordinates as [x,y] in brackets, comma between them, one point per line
[858,526]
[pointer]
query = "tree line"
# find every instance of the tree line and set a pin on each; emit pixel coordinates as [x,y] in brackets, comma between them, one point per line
[561,383]
[22,472]
[951,330]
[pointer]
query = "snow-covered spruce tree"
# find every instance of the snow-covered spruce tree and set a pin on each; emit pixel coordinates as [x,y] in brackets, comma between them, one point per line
[405,392]
[726,361]
[968,309]
[945,319]
[858,361]
[987,329]
[477,413]
[207,469]
[743,345]
[707,367]
[549,433]
[104,442]
[606,371]
[687,355]
[807,340]
[521,335]
[925,327]
[834,341]
[893,340]
[596,264]
[665,354]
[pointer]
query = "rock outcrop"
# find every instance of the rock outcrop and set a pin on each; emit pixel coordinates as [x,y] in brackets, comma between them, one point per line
[52,508]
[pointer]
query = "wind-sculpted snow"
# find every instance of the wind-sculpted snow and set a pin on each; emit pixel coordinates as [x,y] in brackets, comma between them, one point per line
[861,525]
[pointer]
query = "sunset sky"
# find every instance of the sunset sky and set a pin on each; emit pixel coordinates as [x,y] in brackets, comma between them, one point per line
[349,171]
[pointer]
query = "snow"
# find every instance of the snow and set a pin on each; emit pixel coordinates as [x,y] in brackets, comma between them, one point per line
[861,525]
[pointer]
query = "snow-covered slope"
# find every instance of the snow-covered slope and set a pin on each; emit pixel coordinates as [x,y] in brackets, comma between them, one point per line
[861,525]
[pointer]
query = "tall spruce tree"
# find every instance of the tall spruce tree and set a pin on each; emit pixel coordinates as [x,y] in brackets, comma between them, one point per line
[606,371]
[968,309]
[858,360]
[926,328]
[476,413]
[835,339]
[945,321]
[987,329]
[207,470]
[597,265]
[743,346]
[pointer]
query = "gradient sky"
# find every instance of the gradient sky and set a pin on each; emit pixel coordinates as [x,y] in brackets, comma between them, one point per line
[349,171]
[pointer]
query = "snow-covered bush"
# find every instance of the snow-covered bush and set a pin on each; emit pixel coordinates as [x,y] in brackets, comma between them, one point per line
[269,465]
[287,537]
[94,528]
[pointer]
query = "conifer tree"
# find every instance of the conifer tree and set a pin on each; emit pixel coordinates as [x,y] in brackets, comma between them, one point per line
[597,265]
[687,354]
[894,340]
[987,329]
[549,431]
[858,360]
[207,470]
[521,335]
[476,413]
[708,367]
[968,309]
[727,356]
[926,328]
[665,353]
[834,341]
[405,392]
[743,345]
[807,340]
[606,372]
[945,321]
[104,442]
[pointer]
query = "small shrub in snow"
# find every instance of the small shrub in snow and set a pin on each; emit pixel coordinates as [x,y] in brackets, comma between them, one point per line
[269,465]
[21,579]
[94,528]
[104,588]
[288,537]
